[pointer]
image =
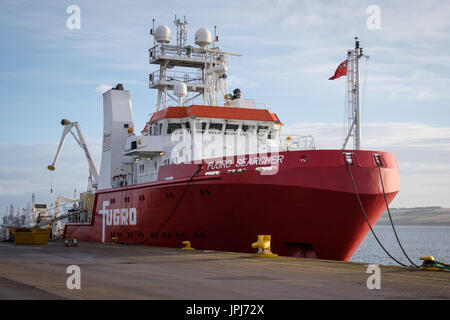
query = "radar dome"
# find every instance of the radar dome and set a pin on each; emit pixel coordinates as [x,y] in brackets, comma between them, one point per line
[162,34]
[202,37]
[179,89]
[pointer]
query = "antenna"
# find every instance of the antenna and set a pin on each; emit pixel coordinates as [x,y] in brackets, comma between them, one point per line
[153,31]
[181,31]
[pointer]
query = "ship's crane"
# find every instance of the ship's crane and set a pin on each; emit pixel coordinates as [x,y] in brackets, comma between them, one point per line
[93,172]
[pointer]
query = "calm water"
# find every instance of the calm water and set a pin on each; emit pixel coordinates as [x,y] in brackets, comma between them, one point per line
[416,240]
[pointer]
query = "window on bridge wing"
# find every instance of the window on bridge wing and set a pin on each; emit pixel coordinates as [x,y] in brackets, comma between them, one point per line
[216,127]
[262,130]
[200,127]
[273,134]
[173,127]
[155,129]
[230,128]
[248,128]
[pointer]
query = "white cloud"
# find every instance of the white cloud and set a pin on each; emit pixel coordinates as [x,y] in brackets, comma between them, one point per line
[103,88]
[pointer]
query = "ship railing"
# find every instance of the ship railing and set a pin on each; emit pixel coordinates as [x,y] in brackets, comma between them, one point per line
[189,78]
[145,176]
[159,51]
[292,142]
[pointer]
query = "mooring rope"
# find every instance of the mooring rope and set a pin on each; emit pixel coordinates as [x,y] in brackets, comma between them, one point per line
[173,210]
[367,220]
[390,218]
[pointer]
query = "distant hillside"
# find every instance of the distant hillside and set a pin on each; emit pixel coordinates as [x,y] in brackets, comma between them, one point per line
[426,216]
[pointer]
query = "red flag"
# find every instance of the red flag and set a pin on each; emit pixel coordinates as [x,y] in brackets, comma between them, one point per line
[340,71]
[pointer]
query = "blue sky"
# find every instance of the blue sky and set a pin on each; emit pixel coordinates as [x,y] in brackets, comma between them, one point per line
[289,50]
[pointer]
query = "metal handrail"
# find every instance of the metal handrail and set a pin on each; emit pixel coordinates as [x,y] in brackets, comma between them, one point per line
[189,78]
[156,52]
[291,142]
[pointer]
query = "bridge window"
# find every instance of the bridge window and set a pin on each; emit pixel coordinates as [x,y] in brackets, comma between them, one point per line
[215,126]
[200,127]
[248,128]
[231,127]
[272,134]
[154,129]
[262,130]
[173,127]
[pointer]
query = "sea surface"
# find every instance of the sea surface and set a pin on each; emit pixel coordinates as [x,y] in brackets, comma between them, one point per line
[417,241]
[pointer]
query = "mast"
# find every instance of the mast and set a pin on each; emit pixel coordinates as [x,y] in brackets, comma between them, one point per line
[358,54]
[353,93]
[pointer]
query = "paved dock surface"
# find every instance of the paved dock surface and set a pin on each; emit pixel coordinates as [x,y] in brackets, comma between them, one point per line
[110,271]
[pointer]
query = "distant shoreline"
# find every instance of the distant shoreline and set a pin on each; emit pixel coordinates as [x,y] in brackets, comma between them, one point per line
[420,216]
[388,224]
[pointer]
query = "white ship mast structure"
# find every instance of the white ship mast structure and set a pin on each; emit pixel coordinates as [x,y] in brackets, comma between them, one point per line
[208,80]
[353,96]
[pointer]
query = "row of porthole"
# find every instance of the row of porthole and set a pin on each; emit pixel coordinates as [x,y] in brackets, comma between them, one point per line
[169,195]
[179,235]
[129,234]
[205,192]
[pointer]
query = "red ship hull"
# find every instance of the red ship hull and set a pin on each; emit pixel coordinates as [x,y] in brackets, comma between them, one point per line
[308,205]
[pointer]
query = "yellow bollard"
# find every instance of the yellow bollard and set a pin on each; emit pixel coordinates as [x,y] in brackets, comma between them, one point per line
[429,264]
[263,245]
[427,258]
[187,245]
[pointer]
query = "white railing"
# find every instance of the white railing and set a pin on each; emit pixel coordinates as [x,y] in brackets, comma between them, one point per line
[189,78]
[157,51]
[291,143]
[146,176]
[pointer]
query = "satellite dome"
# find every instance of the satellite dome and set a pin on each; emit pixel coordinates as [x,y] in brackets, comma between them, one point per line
[202,37]
[162,34]
[179,89]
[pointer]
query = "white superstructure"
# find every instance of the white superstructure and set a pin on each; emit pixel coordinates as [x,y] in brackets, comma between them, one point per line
[195,119]
[118,124]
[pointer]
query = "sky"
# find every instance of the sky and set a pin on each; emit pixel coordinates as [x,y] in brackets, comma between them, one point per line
[289,50]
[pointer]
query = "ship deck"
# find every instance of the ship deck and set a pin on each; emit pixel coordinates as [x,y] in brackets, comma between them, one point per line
[114,271]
